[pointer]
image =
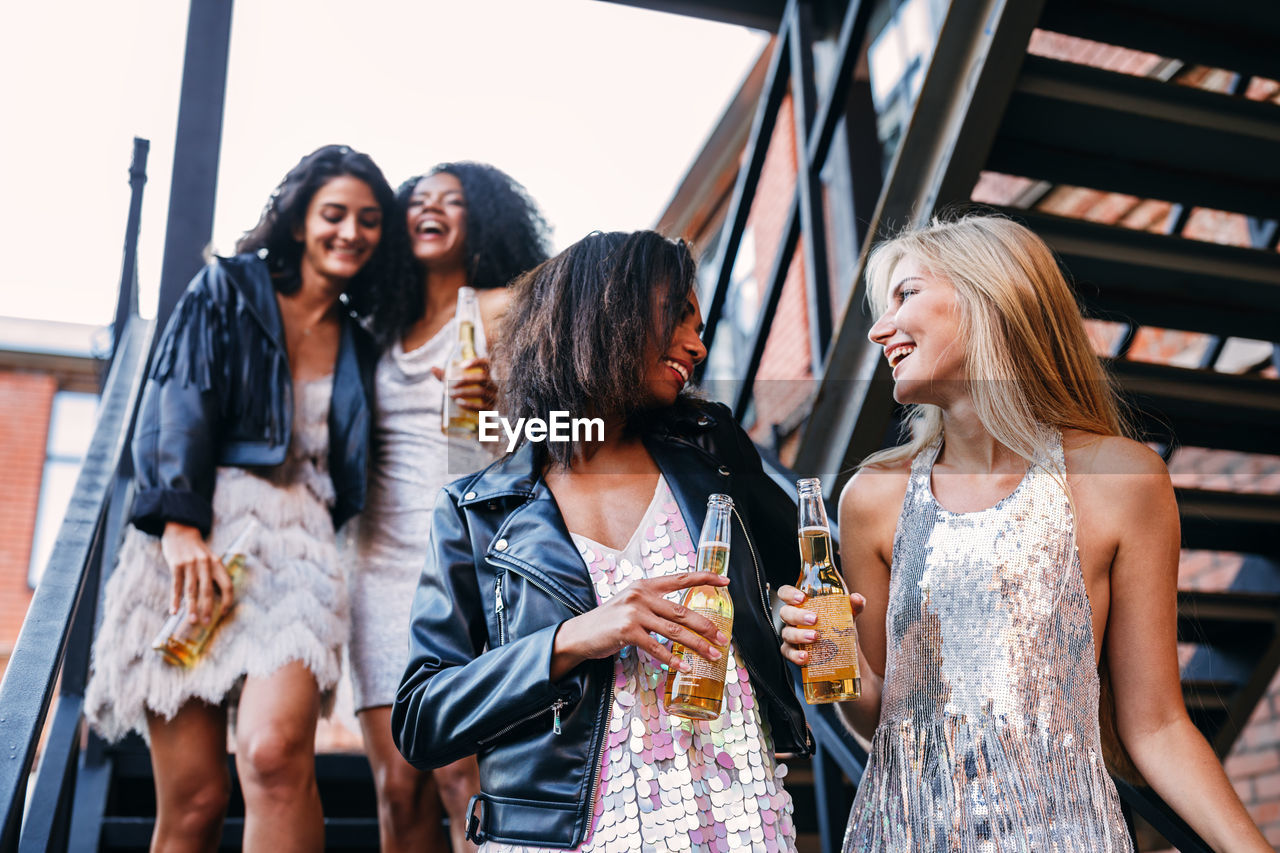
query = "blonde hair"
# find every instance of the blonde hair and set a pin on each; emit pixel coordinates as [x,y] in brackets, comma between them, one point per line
[1028,361]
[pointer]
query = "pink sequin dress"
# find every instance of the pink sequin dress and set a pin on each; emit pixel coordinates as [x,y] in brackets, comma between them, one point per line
[669,783]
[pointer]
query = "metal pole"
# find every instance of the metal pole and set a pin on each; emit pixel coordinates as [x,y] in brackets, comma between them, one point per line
[195,152]
[127,300]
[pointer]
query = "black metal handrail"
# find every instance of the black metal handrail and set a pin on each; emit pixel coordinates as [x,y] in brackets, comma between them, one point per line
[57,633]
[59,601]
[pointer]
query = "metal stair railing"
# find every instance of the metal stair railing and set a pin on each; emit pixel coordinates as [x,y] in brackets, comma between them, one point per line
[57,633]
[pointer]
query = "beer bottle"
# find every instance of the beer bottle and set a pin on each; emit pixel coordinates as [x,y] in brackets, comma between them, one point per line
[697,694]
[455,420]
[831,675]
[182,642]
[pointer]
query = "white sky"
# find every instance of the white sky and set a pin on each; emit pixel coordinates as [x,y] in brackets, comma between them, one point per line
[597,108]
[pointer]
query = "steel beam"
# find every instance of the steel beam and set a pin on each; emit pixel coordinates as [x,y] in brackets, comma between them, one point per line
[975,63]
[193,187]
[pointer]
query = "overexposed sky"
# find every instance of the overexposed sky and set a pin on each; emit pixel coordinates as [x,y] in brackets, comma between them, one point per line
[597,108]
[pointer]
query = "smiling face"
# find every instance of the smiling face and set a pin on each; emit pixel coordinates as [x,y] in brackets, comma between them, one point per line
[921,335]
[341,230]
[436,215]
[670,370]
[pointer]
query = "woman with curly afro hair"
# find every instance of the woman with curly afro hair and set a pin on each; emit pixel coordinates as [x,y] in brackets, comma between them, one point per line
[470,225]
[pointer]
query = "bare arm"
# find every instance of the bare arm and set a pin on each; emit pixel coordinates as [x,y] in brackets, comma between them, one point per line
[1140,646]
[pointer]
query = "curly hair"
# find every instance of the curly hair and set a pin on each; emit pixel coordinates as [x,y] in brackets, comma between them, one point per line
[581,328]
[506,235]
[286,210]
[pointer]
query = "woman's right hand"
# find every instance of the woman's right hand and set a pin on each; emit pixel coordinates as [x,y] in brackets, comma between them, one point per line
[197,571]
[798,622]
[632,617]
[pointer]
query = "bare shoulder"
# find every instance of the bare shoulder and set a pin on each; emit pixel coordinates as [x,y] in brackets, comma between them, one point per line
[1125,477]
[1090,453]
[875,492]
[493,302]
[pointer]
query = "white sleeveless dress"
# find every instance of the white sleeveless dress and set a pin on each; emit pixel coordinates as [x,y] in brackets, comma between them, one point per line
[412,460]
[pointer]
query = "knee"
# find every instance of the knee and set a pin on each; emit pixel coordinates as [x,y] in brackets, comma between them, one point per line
[277,757]
[194,810]
[403,793]
[458,782]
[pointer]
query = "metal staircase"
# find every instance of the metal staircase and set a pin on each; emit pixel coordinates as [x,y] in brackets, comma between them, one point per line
[987,105]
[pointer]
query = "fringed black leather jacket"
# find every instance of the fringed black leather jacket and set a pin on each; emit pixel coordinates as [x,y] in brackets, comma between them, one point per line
[502,574]
[220,393]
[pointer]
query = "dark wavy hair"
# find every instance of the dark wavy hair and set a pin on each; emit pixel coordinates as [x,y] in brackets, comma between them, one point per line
[286,210]
[580,329]
[506,235]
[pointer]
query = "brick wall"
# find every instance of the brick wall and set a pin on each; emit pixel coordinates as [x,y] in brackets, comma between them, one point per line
[25,401]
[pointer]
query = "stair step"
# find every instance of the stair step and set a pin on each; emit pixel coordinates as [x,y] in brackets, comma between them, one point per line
[1074,124]
[355,835]
[1239,35]
[1232,521]
[1234,623]
[1202,408]
[1168,282]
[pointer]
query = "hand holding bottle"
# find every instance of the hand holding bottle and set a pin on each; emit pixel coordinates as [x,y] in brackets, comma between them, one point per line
[476,390]
[632,617]
[798,623]
[197,571]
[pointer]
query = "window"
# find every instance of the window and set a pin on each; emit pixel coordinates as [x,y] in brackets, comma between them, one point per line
[71,424]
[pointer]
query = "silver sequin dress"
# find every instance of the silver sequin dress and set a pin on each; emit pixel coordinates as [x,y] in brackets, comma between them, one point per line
[293,605]
[412,460]
[988,737]
[667,783]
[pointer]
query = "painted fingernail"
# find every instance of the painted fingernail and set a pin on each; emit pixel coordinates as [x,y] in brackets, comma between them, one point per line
[684,667]
[810,618]
[721,638]
[810,636]
[715,654]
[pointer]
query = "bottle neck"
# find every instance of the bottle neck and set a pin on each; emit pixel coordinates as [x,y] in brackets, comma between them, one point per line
[812,512]
[716,536]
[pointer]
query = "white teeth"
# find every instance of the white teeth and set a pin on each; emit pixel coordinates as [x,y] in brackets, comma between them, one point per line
[899,353]
[679,368]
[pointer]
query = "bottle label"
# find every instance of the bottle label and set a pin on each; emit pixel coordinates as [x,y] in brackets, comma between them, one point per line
[834,655]
[712,671]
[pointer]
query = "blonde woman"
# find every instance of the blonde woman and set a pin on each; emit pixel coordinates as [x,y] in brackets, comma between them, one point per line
[1015,546]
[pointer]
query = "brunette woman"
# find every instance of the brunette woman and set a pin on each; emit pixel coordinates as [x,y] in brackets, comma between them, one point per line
[543,621]
[470,225]
[257,408]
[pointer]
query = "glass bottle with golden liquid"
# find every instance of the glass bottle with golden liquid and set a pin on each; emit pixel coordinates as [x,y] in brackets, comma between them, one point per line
[831,675]
[455,420]
[182,642]
[697,694]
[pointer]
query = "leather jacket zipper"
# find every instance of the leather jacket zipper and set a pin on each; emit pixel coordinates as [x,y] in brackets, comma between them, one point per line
[555,710]
[499,611]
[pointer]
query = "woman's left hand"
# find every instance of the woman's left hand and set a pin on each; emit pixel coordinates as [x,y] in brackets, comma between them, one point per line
[475,391]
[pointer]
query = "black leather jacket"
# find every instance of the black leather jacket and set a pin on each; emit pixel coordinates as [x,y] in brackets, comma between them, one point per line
[502,574]
[220,393]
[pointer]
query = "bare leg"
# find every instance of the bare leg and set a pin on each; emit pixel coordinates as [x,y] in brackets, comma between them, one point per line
[275,758]
[409,817]
[458,783]
[189,761]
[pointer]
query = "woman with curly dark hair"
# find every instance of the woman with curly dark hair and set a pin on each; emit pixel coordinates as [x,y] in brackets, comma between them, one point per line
[255,418]
[551,574]
[471,226]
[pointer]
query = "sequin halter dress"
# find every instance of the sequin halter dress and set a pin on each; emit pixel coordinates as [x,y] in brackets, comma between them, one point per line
[988,738]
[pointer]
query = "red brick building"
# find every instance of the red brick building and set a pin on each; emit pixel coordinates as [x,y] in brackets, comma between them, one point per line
[48,387]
